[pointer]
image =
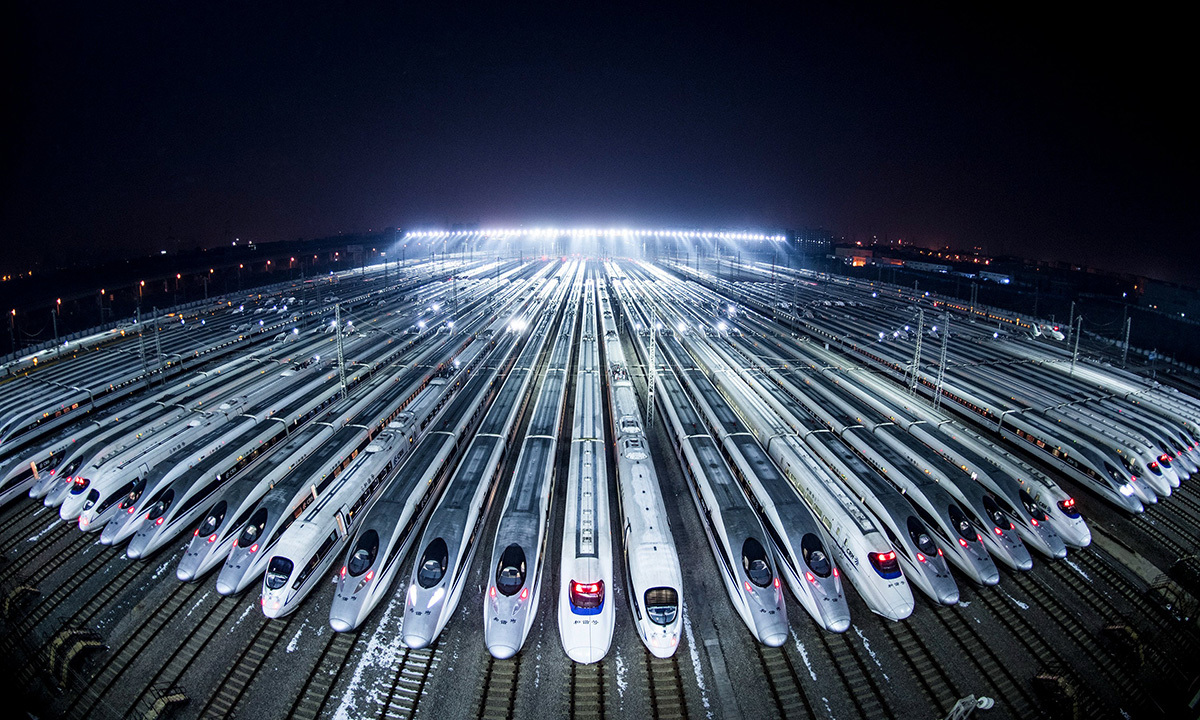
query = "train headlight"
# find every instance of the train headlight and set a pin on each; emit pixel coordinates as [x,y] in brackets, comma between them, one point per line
[1126,490]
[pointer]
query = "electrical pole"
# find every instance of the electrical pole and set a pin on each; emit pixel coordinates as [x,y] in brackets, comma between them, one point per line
[653,376]
[337,319]
[1071,321]
[1125,350]
[937,394]
[157,340]
[1075,352]
[916,361]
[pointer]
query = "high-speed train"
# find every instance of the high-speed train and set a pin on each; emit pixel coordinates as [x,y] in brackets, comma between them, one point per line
[182,484]
[739,542]
[962,543]
[859,546]
[518,552]
[385,533]
[452,533]
[285,502]
[586,610]
[653,575]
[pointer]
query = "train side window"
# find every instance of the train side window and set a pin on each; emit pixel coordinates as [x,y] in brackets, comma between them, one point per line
[662,605]
[433,564]
[755,562]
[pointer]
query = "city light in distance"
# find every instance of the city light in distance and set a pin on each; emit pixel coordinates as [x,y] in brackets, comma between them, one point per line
[549,232]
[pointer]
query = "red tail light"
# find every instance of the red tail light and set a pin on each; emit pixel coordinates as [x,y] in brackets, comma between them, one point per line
[524,593]
[836,573]
[370,574]
[747,584]
[998,532]
[159,521]
[343,571]
[884,557]
[962,542]
[196,533]
[492,592]
[807,576]
[254,548]
[212,538]
[920,557]
[1164,458]
[1033,521]
[776,583]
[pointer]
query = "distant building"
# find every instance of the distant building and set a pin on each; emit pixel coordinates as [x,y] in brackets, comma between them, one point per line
[812,241]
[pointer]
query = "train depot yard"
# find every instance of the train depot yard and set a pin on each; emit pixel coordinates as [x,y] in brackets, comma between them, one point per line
[583,485]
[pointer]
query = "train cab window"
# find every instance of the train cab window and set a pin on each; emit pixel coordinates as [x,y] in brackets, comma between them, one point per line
[278,572]
[815,556]
[962,526]
[253,528]
[160,508]
[755,563]
[212,519]
[92,497]
[920,537]
[510,574]
[135,492]
[1031,506]
[662,605]
[997,516]
[433,564]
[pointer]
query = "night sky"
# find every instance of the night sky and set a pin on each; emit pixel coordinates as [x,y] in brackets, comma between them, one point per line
[169,125]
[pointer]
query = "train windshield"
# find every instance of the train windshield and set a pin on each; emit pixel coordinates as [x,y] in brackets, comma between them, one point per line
[78,485]
[920,537]
[995,513]
[160,508]
[135,492]
[254,528]
[1031,506]
[510,574]
[278,572]
[662,605]
[885,564]
[92,497]
[815,556]
[755,563]
[433,564]
[364,553]
[961,524]
[213,519]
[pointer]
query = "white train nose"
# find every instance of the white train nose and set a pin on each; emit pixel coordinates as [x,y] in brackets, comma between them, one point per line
[502,652]
[417,642]
[775,639]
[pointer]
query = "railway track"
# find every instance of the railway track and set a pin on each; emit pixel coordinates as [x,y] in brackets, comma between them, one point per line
[408,683]
[323,677]
[586,697]
[1150,528]
[1009,690]
[19,557]
[499,688]
[1176,518]
[244,669]
[1036,646]
[119,660]
[42,570]
[1085,638]
[862,689]
[1186,495]
[939,688]
[14,536]
[667,701]
[786,691]
[186,652]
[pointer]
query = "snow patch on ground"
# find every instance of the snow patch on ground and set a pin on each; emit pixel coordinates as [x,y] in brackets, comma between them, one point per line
[964,603]
[867,645]
[1077,569]
[295,640]
[381,652]
[621,682]
[160,569]
[804,655]
[42,534]
[1023,606]
[198,602]
[827,708]
[242,616]
[695,653]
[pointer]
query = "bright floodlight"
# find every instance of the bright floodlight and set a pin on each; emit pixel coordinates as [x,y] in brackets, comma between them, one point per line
[720,327]
[682,327]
